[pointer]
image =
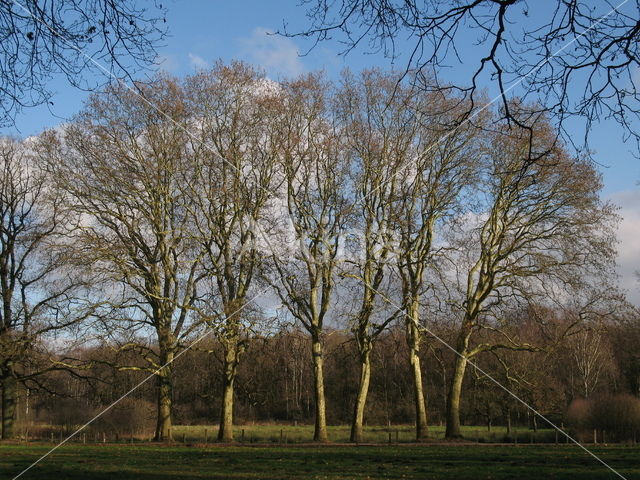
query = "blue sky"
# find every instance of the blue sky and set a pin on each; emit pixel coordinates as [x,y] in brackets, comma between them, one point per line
[203,31]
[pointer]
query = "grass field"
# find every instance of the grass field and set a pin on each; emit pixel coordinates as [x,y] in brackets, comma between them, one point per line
[372,434]
[288,434]
[148,461]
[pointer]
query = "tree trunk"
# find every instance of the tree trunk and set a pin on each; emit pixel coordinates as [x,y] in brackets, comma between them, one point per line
[320,431]
[225,432]
[453,402]
[413,340]
[9,401]
[361,400]
[421,409]
[165,397]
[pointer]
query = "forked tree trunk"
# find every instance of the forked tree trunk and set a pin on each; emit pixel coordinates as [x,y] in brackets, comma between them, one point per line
[9,401]
[225,432]
[320,430]
[165,398]
[361,399]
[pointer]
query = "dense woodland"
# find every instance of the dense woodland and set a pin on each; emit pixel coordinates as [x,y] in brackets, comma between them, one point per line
[362,251]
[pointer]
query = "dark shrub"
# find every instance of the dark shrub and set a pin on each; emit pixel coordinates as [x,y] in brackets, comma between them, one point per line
[618,416]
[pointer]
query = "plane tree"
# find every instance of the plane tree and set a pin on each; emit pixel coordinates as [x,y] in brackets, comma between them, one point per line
[437,168]
[303,264]
[541,229]
[231,182]
[120,164]
[377,134]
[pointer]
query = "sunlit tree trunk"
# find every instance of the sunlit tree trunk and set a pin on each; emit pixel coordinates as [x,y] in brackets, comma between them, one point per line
[361,399]
[320,430]
[453,402]
[413,341]
[225,433]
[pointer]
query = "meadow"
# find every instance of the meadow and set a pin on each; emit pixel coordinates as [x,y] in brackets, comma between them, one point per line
[295,434]
[330,462]
[265,433]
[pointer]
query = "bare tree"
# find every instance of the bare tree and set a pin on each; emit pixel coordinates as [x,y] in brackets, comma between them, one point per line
[544,226]
[571,58]
[37,287]
[377,117]
[42,38]
[588,345]
[315,203]
[120,163]
[436,167]
[231,188]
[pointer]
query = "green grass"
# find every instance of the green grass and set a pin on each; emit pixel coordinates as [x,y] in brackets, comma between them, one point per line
[423,462]
[340,434]
[290,434]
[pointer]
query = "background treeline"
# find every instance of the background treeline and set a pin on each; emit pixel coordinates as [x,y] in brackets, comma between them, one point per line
[280,390]
[355,251]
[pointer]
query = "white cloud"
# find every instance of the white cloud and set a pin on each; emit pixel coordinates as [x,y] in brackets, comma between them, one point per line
[277,55]
[197,61]
[629,238]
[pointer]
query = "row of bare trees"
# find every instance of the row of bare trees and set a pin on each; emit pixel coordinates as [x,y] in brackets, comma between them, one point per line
[225,202]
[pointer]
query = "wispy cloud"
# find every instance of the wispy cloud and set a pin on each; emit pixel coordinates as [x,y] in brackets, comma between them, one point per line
[197,61]
[277,55]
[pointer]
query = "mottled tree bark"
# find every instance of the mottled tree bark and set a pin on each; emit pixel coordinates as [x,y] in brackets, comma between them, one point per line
[320,430]
[422,428]
[225,432]
[361,399]
[413,341]
[453,404]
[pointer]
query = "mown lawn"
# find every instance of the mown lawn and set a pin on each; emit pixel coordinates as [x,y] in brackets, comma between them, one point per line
[149,461]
